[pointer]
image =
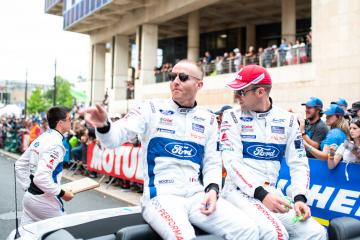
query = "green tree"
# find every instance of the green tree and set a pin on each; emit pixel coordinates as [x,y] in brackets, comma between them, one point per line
[37,103]
[63,93]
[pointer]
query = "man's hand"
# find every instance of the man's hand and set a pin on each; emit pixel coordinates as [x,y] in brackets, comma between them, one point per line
[95,116]
[209,202]
[302,125]
[276,203]
[301,208]
[68,195]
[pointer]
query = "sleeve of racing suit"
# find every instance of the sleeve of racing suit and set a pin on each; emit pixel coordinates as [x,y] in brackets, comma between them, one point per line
[127,128]
[231,152]
[22,169]
[45,176]
[297,161]
[212,165]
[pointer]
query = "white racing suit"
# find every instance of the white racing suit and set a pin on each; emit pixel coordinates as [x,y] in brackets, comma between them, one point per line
[178,145]
[253,145]
[39,171]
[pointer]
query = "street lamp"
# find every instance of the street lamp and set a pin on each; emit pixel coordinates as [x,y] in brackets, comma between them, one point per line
[26,89]
[54,100]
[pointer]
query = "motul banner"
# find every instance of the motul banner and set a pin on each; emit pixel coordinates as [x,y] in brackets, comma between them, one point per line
[122,162]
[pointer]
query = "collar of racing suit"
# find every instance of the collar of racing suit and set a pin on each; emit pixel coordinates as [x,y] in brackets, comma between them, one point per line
[182,109]
[62,136]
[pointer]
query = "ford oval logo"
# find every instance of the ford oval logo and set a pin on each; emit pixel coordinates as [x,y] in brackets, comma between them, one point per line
[259,151]
[166,112]
[246,119]
[180,149]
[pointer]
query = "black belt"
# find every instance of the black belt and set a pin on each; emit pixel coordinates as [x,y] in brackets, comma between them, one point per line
[33,189]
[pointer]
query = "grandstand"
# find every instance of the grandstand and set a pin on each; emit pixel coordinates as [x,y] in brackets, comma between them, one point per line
[144,34]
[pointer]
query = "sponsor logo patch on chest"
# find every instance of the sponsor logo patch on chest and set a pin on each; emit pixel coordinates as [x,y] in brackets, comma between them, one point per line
[164,130]
[248,136]
[198,119]
[278,120]
[246,119]
[263,151]
[247,128]
[167,112]
[198,128]
[180,149]
[166,121]
[196,136]
[278,129]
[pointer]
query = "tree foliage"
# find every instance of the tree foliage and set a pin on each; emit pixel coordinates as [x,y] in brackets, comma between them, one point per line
[63,93]
[37,102]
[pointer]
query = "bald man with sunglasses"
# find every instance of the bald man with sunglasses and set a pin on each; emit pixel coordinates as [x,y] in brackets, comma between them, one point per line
[255,139]
[179,143]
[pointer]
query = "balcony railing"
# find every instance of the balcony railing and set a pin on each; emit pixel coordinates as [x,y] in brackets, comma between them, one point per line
[81,10]
[50,3]
[271,57]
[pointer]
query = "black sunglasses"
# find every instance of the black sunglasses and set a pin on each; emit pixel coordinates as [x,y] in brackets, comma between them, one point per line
[242,93]
[182,76]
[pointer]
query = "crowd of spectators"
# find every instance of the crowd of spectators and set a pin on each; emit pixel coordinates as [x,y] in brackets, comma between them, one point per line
[336,139]
[287,53]
[16,134]
[161,72]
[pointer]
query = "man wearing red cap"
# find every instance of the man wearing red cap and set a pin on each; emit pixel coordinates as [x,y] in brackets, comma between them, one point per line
[178,144]
[255,139]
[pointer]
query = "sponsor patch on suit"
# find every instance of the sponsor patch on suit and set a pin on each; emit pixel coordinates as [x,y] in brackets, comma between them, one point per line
[166,130]
[278,129]
[198,128]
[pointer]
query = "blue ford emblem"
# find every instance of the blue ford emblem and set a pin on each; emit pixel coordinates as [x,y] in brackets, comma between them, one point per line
[259,151]
[167,112]
[180,149]
[246,119]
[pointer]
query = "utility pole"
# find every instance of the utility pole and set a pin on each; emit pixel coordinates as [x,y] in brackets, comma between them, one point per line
[54,100]
[26,90]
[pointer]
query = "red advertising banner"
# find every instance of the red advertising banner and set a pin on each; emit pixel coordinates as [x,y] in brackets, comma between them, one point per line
[122,162]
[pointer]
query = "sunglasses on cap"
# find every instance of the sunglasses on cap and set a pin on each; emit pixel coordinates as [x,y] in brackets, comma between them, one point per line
[182,76]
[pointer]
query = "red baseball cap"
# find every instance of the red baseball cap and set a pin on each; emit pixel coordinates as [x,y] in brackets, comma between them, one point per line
[251,74]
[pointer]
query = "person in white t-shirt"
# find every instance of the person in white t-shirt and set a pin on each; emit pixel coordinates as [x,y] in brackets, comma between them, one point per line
[349,151]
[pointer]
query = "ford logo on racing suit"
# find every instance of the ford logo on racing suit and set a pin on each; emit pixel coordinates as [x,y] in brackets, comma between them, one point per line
[180,149]
[258,151]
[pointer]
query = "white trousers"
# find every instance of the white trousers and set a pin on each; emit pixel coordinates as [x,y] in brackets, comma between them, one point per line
[171,217]
[276,225]
[40,207]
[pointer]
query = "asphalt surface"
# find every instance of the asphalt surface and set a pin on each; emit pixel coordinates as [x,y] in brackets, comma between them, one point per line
[85,201]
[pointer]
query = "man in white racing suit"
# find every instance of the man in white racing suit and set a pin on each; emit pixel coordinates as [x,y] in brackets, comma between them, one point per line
[254,141]
[178,143]
[39,169]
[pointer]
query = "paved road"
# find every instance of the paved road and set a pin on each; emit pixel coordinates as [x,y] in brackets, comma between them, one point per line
[86,201]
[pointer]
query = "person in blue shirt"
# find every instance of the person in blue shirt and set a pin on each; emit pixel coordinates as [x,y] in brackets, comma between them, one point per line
[342,103]
[339,132]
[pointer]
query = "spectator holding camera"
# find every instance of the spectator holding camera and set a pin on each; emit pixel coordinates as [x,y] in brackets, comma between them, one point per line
[339,132]
[349,151]
[313,129]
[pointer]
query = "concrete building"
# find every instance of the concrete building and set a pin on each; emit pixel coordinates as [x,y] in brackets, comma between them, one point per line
[127,33]
[13,92]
